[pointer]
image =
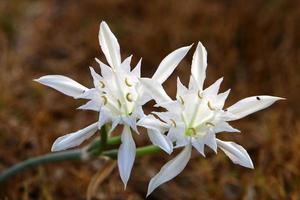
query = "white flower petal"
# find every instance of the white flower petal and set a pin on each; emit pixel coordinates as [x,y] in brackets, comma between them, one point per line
[155,90]
[137,70]
[199,145]
[138,113]
[145,96]
[91,105]
[169,63]
[109,45]
[126,155]
[160,140]
[236,153]
[96,77]
[63,84]
[126,64]
[210,140]
[92,93]
[193,85]
[250,105]
[171,169]
[176,134]
[199,65]
[104,116]
[106,71]
[220,99]
[130,121]
[74,139]
[114,124]
[150,122]
[174,106]
[181,89]
[224,127]
[213,89]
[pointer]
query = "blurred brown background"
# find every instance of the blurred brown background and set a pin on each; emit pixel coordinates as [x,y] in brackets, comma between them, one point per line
[255,45]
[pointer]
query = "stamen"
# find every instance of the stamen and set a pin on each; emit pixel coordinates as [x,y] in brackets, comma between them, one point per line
[102,85]
[129,97]
[173,122]
[209,106]
[119,103]
[181,100]
[209,124]
[127,82]
[200,95]
[104,99]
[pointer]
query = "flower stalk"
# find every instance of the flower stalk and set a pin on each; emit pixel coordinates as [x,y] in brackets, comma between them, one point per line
[98,148]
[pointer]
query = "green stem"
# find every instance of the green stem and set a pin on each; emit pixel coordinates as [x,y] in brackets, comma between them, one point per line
[141,151]
[97,147]
[33,162]
[93,151]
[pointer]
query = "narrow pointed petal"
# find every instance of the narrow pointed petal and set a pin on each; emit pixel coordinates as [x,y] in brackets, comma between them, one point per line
[169,63]
[114,124]
[155,90]
[91,105]
[210,140]
[96,77]
[199,65]
[171,169]
[250,105]
[236,153]
[105,70]
[131,121]
[109,45]
[193,85]
[126,64]
[213,89]
[150,122]
[225,127]
[176,135]
[104,117]
[126,155]
[137,70]
[63,84]
[160,140]
[221,98]
[199,145]
[181,89]
[74,139]
[92,93]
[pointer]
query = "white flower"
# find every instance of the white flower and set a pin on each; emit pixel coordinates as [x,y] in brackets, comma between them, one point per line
[118,96]
[196,116]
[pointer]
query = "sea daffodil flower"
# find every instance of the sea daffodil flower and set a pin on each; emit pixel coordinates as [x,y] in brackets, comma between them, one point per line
[118,96]
[196,116]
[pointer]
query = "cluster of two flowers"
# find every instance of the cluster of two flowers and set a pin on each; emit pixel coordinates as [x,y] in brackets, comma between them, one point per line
[193,119]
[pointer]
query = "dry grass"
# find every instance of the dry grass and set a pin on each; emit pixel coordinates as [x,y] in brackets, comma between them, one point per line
[254,44]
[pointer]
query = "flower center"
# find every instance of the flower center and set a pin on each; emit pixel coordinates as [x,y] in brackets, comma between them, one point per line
[191,132]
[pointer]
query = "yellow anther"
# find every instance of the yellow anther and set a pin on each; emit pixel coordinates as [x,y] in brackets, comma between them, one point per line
[129,97]
[102,84]
[104,98]
[200,95]
[127,82]
[173,122]
[209,106]
[119,103]
[181,100]
[209,124]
